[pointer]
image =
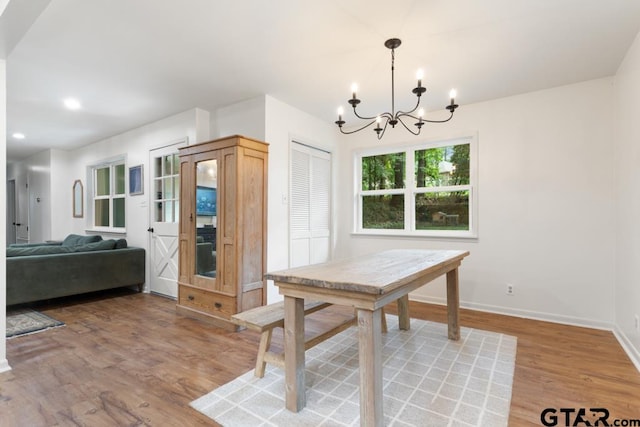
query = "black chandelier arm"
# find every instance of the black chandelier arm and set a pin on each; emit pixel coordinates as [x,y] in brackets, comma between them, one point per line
[387,115]
[384,129]
[406,127]
[425,120]
[408,113]
[357,130]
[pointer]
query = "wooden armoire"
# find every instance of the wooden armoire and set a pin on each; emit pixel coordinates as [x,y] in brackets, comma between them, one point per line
[223,228]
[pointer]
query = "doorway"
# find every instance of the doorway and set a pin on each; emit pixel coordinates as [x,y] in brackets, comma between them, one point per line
[11,211]
[164,199]
[310,205]
[18,208]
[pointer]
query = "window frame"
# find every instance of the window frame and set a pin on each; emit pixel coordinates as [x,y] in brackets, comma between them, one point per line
[112,196]
[158,181]
[410,190]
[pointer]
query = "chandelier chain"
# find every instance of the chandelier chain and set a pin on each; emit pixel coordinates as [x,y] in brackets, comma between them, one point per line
[393,85]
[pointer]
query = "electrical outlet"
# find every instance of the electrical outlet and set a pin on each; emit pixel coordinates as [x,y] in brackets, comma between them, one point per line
[637,322]
[509,289]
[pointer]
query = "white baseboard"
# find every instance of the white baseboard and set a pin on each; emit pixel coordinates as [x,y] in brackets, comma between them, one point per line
[628,347]
[527,314]
[4,366]
[626,344]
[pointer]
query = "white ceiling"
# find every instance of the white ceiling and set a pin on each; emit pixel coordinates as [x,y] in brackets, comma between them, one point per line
[131,62]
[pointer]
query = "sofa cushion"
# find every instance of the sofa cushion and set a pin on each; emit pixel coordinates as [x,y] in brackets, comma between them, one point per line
[32,245]
[121,243]
[76,240]
[102,245]
[37,250]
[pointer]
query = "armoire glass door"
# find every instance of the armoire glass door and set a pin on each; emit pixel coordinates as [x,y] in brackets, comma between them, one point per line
[206,203]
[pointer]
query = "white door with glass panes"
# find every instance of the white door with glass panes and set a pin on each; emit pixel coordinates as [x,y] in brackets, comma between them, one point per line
[309,229]
[164,190]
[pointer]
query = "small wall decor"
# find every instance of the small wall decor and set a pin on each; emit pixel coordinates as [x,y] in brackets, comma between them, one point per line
[136,184]
[78,199]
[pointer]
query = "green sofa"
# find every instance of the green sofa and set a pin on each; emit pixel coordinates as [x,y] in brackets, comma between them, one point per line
[77,265]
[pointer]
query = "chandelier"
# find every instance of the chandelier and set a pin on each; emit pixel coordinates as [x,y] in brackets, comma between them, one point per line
[394,117]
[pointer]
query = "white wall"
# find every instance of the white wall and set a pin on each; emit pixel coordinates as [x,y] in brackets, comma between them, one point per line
[61,203]
[284,124]
[35,171]
[39,180]
[66,167]
[135,145]
[4,364]
[546,216]
[246,118]
[627,209]
[268,119]
[51,175]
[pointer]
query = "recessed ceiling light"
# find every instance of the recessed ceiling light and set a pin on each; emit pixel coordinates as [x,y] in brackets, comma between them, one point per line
[72,104]
[18,135]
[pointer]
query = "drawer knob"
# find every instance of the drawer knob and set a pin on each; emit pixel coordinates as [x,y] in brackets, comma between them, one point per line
[191,297]
[217,305]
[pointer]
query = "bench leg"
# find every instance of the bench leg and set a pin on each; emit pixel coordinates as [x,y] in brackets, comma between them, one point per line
[263,348]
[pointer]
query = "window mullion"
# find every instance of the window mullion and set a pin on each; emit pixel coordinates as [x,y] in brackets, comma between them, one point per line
[112,192]
[409,194]
[442,189]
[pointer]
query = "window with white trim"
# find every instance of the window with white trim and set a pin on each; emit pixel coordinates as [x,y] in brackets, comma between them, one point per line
[109,195]
[429,189]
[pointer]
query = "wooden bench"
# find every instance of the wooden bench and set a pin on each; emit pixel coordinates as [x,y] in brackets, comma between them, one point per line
[266,318]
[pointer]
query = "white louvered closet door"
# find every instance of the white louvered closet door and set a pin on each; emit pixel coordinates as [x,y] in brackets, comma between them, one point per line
[310,229]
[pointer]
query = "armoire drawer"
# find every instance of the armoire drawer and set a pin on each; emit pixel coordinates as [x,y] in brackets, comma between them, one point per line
[207,301]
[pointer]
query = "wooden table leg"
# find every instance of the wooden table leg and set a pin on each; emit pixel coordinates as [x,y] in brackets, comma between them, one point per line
[370,354]
[404,321]
[453,305]
[294,353]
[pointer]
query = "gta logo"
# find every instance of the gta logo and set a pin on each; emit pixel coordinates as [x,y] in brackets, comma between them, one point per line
[587,417]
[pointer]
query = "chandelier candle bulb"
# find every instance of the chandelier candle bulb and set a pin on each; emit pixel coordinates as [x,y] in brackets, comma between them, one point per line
[453,95]
[340,122]
[419,76]
[420,116]
[354,89]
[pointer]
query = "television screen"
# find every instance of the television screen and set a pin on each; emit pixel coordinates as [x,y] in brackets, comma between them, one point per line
[205,201]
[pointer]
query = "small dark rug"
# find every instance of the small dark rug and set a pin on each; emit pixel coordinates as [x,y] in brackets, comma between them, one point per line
[27,321]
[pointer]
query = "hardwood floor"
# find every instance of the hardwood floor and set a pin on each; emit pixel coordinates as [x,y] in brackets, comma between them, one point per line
[558,366]
[129,359]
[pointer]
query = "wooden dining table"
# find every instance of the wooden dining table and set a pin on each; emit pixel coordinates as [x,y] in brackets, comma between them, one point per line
[367,283]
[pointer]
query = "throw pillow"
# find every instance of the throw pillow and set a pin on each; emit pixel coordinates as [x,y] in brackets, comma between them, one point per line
[76,240]
[103,245]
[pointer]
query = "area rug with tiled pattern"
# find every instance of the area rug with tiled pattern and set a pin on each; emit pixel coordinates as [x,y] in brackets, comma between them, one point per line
[26,321]
[428,381]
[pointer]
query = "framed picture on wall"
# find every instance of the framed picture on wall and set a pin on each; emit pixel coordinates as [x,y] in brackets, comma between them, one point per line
[136,184]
